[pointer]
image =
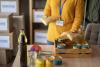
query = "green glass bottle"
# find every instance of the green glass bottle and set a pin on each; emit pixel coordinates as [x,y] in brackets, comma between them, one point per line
[23,48]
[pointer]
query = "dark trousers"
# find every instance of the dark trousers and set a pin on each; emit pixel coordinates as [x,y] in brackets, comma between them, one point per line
[50,43]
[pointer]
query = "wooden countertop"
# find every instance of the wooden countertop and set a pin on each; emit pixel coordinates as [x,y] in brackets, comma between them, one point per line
[93,61]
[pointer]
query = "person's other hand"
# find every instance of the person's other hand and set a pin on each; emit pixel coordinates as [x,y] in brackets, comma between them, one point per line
[64,35]
[67,35]
[49,19]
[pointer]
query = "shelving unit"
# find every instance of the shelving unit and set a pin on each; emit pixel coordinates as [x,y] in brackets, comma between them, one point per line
[35,5]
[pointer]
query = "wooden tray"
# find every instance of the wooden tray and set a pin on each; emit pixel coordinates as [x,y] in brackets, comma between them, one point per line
[70,52]
[74,51]
[75,55]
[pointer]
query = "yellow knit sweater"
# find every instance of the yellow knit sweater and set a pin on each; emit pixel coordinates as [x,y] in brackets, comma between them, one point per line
[72,14]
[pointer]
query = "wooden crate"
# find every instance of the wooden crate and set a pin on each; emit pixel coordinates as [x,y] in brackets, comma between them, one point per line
[75,55]
[74,51]
[70,52]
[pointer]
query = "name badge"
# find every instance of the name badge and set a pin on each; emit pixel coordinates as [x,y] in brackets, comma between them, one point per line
[60,22]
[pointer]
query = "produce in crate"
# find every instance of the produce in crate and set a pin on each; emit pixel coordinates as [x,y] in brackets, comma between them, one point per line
[72,39]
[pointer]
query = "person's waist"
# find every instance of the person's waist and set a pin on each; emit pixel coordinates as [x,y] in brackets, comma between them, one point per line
[50,42]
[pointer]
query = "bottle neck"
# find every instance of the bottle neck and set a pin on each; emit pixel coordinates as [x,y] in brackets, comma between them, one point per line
[22,37]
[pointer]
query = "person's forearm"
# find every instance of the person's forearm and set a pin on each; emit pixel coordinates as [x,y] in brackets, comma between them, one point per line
[54,18]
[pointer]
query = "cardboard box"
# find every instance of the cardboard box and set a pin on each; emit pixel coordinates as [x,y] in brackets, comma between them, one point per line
[18,22]
[37,15]
[40,36]
[5,56]
[6,23]
[6,40]
[10,6]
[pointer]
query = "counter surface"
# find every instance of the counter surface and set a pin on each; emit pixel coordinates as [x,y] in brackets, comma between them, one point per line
[93,61]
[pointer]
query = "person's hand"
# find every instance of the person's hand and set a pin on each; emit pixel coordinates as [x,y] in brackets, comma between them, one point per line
[48,19]
[64,35]
[44,20]
[68,35]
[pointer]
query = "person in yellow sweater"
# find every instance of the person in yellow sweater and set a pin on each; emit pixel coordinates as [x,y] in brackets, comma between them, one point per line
[63,16]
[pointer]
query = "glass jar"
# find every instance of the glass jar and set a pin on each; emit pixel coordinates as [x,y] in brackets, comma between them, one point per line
[49,62]
[40,62]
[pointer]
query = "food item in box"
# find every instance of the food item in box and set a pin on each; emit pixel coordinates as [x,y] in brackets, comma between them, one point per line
[83,45]
[57,60]
[76,37]
[61,46]
[63,43]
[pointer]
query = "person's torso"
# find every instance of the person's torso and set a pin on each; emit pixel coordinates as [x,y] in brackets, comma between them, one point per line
[68,14]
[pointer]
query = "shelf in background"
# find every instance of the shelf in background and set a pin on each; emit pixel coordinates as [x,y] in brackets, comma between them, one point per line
[39,4]
[40,36]
[35,23]
[39,26]
[37,15]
